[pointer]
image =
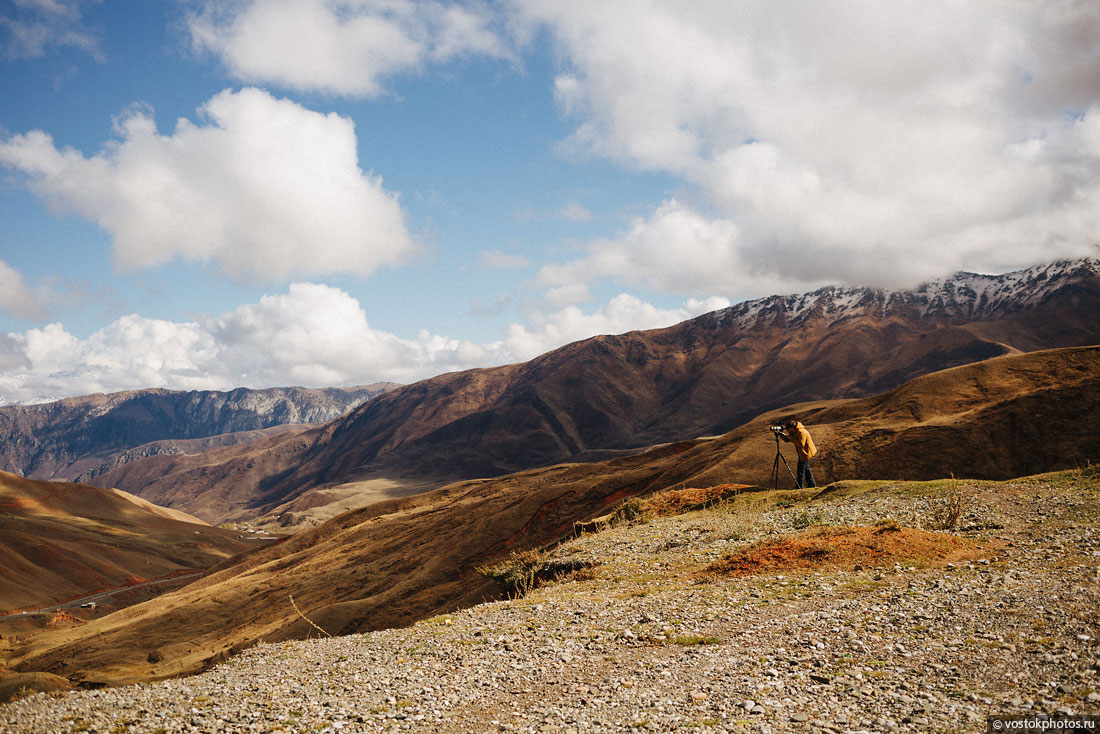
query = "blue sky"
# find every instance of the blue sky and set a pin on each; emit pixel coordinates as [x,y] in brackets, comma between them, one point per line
[203,195]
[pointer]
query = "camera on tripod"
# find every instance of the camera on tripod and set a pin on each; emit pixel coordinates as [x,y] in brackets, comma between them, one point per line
[776,429]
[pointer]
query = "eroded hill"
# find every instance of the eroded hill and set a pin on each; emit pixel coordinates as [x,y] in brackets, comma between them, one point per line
[402,560]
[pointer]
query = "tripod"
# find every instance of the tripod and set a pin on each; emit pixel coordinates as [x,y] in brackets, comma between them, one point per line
[774,483]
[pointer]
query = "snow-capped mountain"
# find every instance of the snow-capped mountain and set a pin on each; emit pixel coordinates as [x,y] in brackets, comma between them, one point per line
[963,296]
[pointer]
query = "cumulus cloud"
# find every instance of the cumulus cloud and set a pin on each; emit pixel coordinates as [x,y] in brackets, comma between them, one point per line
[28,28]
[343,47]
[869,143]
[675,250]
[622,313]
[264,187]
[312,335]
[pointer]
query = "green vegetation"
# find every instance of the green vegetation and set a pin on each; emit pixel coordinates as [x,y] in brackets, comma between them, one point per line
[691,640]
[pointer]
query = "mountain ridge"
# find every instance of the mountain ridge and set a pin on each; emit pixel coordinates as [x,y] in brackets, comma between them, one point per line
[962,295]
[73,437]
[612,394]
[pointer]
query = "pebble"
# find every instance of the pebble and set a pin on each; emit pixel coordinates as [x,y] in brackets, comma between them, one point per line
[648,645]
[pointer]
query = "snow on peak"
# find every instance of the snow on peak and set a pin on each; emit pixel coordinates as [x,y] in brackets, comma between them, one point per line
[970,296]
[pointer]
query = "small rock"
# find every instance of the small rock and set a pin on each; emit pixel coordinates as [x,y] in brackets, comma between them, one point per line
[698,696]
[799,717]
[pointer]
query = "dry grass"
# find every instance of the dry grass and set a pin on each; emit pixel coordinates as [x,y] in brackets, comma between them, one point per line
[838,547]
[523,571]
[947,510]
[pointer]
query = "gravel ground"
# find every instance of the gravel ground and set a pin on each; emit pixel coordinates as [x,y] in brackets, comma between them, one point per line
[644,642]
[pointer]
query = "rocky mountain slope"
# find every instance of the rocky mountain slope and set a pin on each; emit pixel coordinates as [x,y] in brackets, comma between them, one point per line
[610,394]
[62,541]
[81,437]
[395,562]
[906,630]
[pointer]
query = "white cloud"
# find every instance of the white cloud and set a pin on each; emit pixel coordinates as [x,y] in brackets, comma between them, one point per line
[312,335]
[869,143]
[622,313]
[344,47]
[265,187]
[28,28]
[16,296]
[676,250]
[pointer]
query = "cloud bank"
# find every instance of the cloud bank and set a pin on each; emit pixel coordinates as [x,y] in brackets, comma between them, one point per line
[312,335]
[265,187]
[868,143]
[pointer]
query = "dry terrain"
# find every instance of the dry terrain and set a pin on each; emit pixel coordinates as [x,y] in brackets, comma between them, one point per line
[403,560]
[931,606]
[62,541]
[604,396]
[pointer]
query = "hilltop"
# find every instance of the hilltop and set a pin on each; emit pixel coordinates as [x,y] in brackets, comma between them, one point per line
[395,562]
[916,625]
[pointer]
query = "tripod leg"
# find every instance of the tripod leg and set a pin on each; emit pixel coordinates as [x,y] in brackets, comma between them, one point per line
[789,471]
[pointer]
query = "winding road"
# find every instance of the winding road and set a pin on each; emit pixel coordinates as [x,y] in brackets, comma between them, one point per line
[101,595]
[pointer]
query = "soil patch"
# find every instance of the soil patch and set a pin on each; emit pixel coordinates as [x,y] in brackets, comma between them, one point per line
[679,501]
[848,547]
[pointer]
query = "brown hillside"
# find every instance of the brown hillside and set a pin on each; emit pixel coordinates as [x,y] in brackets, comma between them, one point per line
[401,560]
[604,396]
[63,541]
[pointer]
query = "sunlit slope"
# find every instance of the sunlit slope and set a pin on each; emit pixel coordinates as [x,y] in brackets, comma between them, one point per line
[401,560]
[60,541]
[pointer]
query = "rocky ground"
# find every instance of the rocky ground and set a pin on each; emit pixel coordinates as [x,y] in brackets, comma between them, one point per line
[647,640]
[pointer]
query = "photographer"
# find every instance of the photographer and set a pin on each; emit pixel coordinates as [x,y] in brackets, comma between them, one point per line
[796,433]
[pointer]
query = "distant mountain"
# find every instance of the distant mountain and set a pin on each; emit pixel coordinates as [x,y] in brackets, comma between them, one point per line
[62,541]
[395,562]
[81,437]
[612,394]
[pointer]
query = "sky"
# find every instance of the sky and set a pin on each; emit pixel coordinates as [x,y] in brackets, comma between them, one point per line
[256,193]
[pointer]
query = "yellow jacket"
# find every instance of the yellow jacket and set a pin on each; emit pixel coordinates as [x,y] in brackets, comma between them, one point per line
[803,444]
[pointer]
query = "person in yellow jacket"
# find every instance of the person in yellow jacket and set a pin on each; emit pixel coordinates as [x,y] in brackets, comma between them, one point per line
[796,433]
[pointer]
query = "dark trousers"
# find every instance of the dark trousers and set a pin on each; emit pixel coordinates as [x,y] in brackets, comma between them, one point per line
[805,476]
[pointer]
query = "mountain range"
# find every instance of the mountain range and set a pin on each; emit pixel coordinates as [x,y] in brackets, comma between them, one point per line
[80,438]
[611,395]
[407,559]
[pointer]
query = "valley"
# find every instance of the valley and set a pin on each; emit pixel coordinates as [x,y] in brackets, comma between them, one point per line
[398,561]
[398,512]
[612,395]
